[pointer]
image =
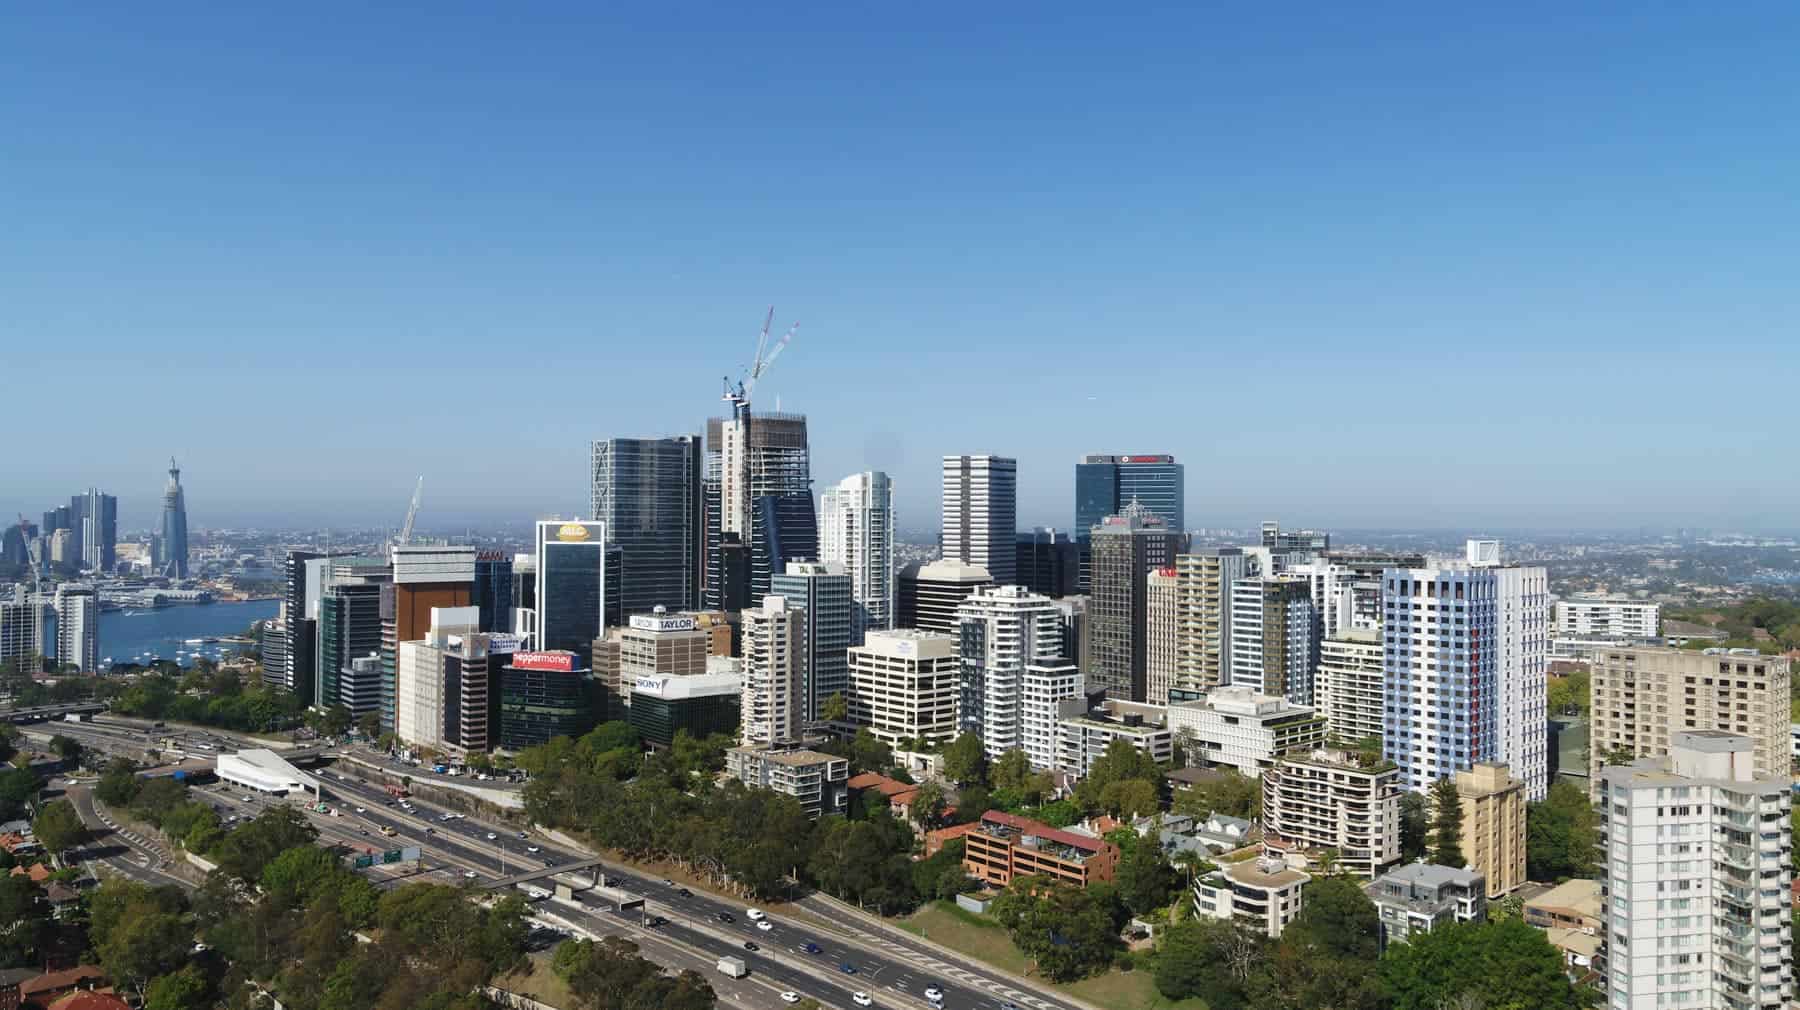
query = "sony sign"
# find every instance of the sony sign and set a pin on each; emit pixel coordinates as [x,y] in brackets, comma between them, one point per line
[649,685]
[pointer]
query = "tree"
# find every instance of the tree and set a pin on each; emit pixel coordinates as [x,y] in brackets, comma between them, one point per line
[1446,823]
[1338,918]
[1144,877]
[1211,959]
[1560,834]
[834,708]
[1415,825]
[1071,932]
[927,806]
[182,990]
[58,827]
[18,787]
[965,760]
[66,748]
[337,721]
[1506,961]
[139,932]
[1130,798]
[247,850]
[1230,793]
[1012,770]
[27,918]
[868,753]
[369,725]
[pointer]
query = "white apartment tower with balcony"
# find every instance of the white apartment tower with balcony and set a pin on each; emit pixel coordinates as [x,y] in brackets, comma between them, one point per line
[1002,631]
[980,510]
[856,527]
[1696,881]
[774,658]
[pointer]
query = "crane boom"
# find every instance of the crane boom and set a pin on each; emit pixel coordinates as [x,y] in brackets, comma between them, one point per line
[412,511]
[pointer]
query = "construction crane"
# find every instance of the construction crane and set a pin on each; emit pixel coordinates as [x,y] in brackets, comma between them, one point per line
[412,512]
[740,395]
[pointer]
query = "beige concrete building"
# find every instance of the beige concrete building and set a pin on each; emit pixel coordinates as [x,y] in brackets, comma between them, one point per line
[772,713]
[904,685]
[1203,618]
[1159,629]
[1348,692]
[1493,825]
[1326,800]
[1642,697]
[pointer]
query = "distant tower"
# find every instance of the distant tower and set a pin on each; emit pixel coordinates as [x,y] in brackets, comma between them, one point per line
[174,560]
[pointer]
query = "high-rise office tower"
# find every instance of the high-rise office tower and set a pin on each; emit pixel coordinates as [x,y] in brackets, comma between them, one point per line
[77,627]
[903,686]
[1465,647]
[571,587]
[773,640]
[981,503]
[657,644]
[783,529]
[1126,548]
[98,515]
[1048,562]
[1203,582]
[931,593]
[349,627]
[748,457]
[1273,650]
[425,578]
[824,592]
[492,592]
[1000,632]
[14,543]
[524,594]
[1106,484]
[1696,882]
[647,492]
[856,528]
[1643,696]
[300,671]
[174,560]
[1161,618]
[21,624]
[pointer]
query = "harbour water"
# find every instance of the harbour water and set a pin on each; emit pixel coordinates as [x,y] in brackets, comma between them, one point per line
[139,636]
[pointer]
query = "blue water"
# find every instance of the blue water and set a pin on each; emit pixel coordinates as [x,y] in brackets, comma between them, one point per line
[144,635]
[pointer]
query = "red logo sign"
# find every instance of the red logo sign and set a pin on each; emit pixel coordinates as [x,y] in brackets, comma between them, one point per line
[564,661]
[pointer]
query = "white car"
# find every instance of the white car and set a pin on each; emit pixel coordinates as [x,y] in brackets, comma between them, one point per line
[764,925]
[362,810]
[534,850]
[493,837]
[790,997]
[754,915]
[861,998]
[934,994]
[471,874]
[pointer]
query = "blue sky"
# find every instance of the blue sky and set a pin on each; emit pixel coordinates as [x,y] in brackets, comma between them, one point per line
[1389,264]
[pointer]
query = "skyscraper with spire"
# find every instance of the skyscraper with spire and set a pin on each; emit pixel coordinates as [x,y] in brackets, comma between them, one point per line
[174,560]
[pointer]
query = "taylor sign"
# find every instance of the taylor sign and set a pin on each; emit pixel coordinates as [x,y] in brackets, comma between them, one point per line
[664,622]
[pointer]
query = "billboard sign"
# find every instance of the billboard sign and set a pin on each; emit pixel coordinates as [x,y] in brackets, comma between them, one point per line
[650,685]
[560,661]
[664,622]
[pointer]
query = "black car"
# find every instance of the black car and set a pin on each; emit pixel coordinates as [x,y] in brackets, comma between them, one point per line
[658,921]
[727,917]
[751,945]
[810,947]
[686,893]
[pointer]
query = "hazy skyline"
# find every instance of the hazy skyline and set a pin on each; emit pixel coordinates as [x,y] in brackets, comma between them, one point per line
[1401,267]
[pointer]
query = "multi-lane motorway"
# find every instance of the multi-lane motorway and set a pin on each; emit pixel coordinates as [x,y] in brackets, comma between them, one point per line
[806,957]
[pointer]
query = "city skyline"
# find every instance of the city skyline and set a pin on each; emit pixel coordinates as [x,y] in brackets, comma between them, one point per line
[1191,247]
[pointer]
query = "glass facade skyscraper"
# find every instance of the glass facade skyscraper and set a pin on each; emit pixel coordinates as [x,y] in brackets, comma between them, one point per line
[174,561]
[783,528]
[648,493]
[1105,485]
[822,589]
[493,590]
[571,587]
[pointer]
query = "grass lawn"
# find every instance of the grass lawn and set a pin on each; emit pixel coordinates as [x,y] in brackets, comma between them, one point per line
[981,938]
[536,980]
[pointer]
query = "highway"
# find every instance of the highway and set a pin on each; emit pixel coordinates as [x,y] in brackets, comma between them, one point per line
[117,849]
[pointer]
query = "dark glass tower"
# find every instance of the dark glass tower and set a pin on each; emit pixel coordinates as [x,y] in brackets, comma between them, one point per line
[493,590]
[174,562]
[349,629]
[571,587]
[648,493]
[783,528]
[1105,485]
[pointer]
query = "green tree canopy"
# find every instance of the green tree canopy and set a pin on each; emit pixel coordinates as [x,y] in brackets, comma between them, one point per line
[1509,964]
[1560,834]
[58,827]
[965,760]
[1446,823]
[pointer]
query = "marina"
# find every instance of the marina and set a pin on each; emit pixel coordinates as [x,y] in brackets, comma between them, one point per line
[180,633]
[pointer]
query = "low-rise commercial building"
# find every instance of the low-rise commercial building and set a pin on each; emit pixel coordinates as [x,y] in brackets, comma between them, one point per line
[1088,725]
[543,695]
[1420,897]
[701,703]
[1573,905]
[1237,727]
[817,780]
[1327,800]
[264,771]
[904,686]
[1263,894]
[1005,846]
[1606,617]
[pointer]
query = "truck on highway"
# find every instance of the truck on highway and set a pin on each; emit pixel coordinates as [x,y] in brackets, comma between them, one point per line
[78,717]
[733,966]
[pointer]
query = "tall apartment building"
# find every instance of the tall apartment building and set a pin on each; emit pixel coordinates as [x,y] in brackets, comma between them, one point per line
[1607,617]
[1326,800]
[1000,632]
[1465,647]
[1346,588]
[21,625]
[77,610]
[1644,697]
[903,686]
[1350,684]
[980,514]
[1048,562]
[748,457]
[1235,727]
[823,592]
[301,607]
[856,528]
[1493,825]
[647,493]
[1106,484]
[1162,618]
[1125,549]
[1696,884]
[1272,646]
[1203,582]
[773,639]
[1047,686]
[930,594]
